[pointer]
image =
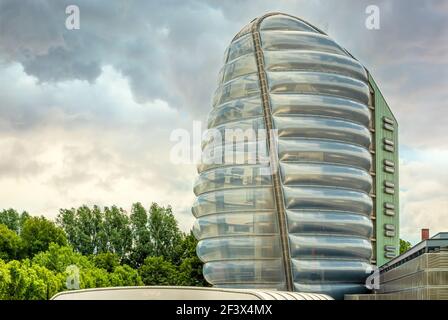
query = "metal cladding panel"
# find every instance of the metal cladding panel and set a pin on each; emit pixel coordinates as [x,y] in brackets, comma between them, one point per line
[296,208]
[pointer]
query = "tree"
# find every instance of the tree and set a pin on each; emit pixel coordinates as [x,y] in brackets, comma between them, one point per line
[117,233]
[158,271]
[10,244]
[190,268]
[404,246]
[93,231]
[25,281]
[13,220]
[125,276]
[140,234]
[106,260]
[38,233]
[165,234]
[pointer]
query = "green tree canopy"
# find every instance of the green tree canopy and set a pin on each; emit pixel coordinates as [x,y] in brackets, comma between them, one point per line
[10,244]
[158,271]
[13,220]
[404,246]
[38,233]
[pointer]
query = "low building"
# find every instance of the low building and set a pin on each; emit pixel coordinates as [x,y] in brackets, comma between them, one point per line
[419,274]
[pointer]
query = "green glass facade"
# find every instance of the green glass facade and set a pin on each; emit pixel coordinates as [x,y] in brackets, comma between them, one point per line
[385,217]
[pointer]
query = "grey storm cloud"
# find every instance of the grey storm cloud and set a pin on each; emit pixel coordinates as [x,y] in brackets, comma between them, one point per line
[172,50]
[86,115]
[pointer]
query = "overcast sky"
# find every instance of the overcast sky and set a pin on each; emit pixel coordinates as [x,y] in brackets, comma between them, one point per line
[86,115]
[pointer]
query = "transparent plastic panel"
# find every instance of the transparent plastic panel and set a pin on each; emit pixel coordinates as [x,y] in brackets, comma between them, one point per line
[327,198]
[242,87]
[319,100]
[231,177]
[297,40]
[280,22]
[303,173]
[313,150]
[329,222]
[237,131]
[243,65]
[318,83]
[247,248]
[327,246]
[236,224]
[244,272]
[235,110]
[335,290]
[240,153]
[292,60]
[245,199]
[302,104]
[324,128]
[240,47]
[329,270]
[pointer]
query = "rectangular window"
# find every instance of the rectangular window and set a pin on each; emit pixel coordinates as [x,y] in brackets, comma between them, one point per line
[389,248]
[389,212]
[389,163]
[389,233]
[388,148]
[389,184]
[389,169]
[388,142]
[388,127]
[389,205]
[389,190]
[389,255]
[388,120]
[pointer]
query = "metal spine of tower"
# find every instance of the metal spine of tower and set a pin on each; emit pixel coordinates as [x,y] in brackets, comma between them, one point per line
[306,225]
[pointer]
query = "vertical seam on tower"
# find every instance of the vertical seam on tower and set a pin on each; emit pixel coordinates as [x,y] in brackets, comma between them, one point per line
[273,155]
[374,169]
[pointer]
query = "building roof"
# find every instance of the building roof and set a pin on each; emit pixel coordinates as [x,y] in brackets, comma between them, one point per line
[433,244]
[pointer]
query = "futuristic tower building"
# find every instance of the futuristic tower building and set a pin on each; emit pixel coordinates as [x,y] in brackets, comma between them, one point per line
[313,204]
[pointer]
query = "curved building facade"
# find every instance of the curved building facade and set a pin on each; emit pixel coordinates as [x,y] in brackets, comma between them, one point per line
[289,202]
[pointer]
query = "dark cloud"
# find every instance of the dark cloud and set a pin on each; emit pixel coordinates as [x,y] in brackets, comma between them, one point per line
[171,50]
[65,93]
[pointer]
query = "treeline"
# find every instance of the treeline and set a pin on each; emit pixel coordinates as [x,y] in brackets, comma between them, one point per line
[108,247]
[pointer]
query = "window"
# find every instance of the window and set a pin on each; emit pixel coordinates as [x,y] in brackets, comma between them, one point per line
[388,120]
[389,163]
[389,169]
[389,205]
[389,212]
[389,227]
[389,233]
[389,190]
[389,148]
[389,255]
[388,127]
[389,248]
[389,145]
[389,184]
[388,124]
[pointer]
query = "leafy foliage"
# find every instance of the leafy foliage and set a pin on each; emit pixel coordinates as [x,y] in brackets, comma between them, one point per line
[404,246]
[10,244]
[38,233]
[107,246]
